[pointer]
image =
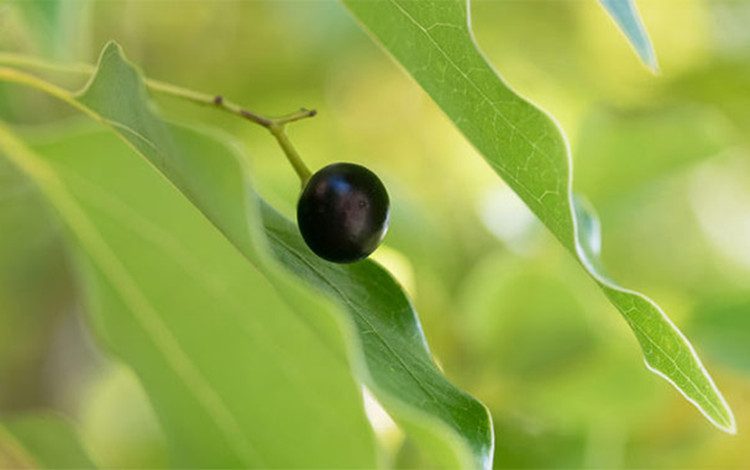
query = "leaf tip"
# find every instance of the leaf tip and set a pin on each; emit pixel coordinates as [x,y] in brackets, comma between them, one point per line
[111,47]
[731,426]
[625,15]
[652,63]
[718,413]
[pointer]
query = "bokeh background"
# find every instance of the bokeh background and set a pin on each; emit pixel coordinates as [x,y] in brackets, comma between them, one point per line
[509,315]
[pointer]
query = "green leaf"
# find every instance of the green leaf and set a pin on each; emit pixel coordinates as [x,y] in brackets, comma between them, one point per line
[389,350]
[625,14]
[401,371]
[31,261]
[43,441]
[118,423]
[722,326]
[55,25]
[433,42]
[397,364]
[239,372]
[621,151]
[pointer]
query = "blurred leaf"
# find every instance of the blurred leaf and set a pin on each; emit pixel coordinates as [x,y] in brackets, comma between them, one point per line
[31,259]
[625,14]
[722,327]
[621,151]
[55,25]
[118,423]
[46,441]
[551,358]
[527,336]
[526,444]
[397,365]
[432,40]
[720,84]
[234,375]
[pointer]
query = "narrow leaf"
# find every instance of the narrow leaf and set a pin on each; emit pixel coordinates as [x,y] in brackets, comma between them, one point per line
[625,14]
[434,43]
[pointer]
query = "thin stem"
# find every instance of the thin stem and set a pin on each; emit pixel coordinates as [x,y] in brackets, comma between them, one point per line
[275,125]
[209,100]
[16,76]
[295,116]
[291,154]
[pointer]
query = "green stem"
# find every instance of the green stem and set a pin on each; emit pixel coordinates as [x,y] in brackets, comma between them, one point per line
[276,125]
[291,154]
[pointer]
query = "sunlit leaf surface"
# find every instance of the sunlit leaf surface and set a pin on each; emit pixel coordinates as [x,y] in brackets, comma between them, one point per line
[389,348]
[234,375]
[524,146]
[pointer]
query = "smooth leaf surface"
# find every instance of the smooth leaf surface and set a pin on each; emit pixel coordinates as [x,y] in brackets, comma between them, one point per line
[403,374]
[43,441]
[398,367]
[397,364]
[625,14]
[391,352]
[433,42]
[235,377]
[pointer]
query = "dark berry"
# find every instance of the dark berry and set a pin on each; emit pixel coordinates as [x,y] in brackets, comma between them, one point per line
[343,212]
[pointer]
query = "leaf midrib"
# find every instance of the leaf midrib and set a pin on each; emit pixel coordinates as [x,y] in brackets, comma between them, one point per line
[355,310]
[676,365]
[573,224]
[487,99]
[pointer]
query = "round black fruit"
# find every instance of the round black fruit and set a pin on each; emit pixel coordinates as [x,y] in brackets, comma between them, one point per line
[343,212]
